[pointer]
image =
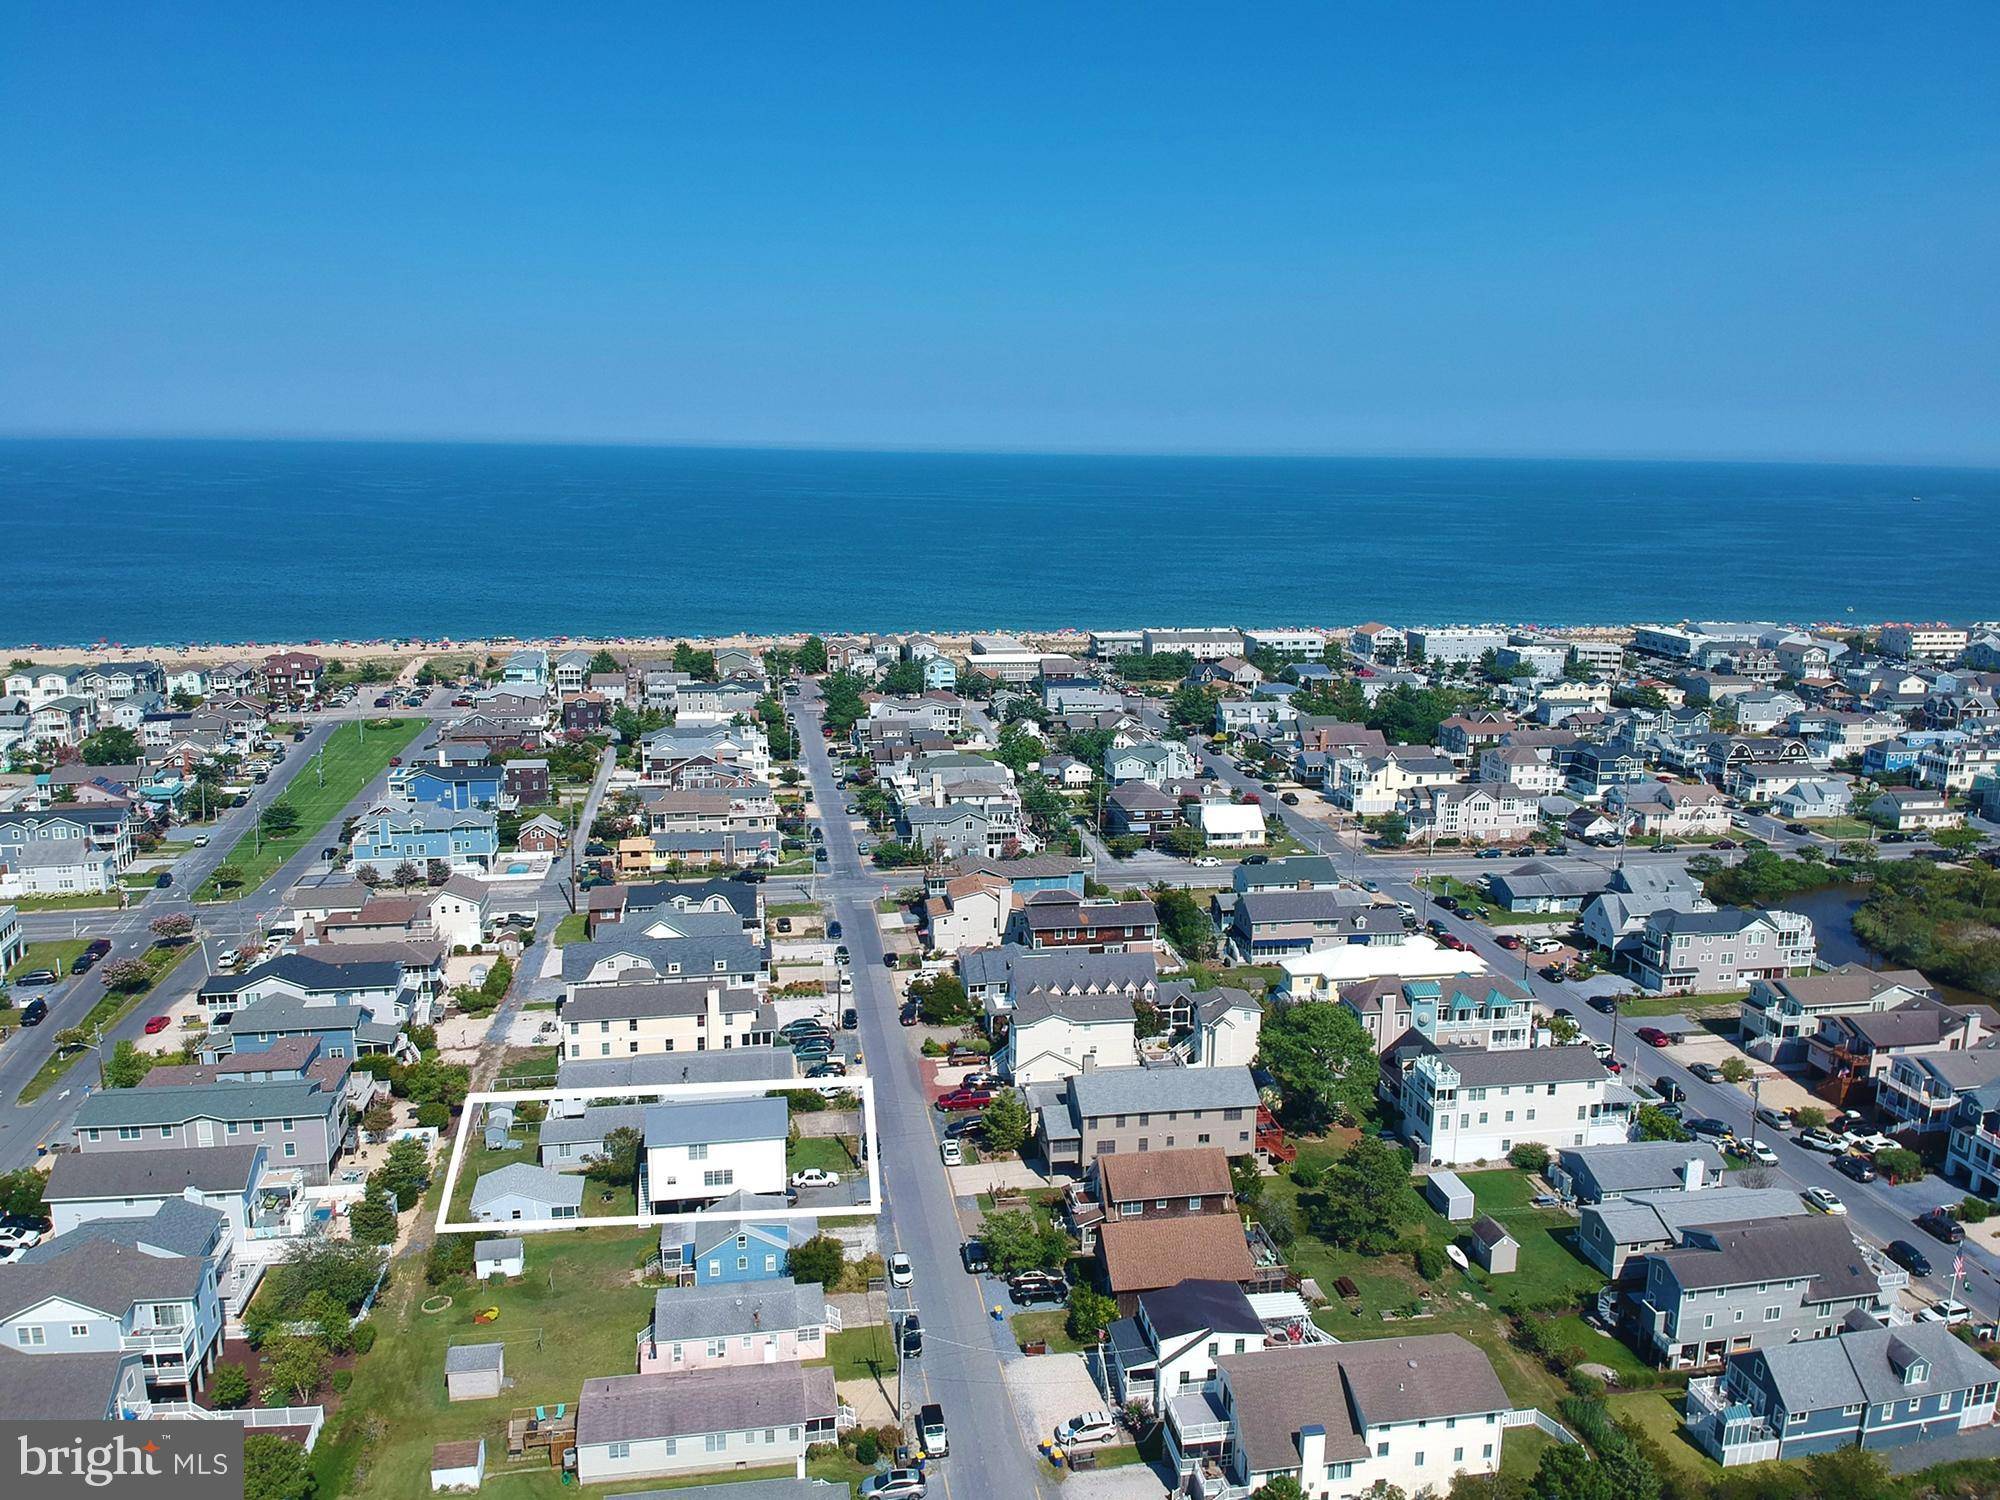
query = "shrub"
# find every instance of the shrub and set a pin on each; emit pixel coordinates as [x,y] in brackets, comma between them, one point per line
[363,1337]
[1529,1156]
[1899,1165]
[1429,1261]
[819,1259]
[434,1116]
[865,1449]
[449,1259]
[1974,1211]
[340,1381]
[231,1386]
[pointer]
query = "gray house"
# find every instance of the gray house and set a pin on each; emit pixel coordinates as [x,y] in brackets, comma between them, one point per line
[1596,1174]
[1107,1110]
[521,1191]
[301,1123]
[1872,1387]
[573,1143]
[1614,1235]
[103,1297]
[1752,1286]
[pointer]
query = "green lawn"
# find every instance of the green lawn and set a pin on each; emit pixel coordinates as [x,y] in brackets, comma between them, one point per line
[58,955]
[1049,1324]
[574,928]
[829,1154]
[81,901]
[1842,828]
[1658,1412]
[1472,903]
[1681,1005]
[864,1353]
[575,1314]
[112,1007]
[351,762]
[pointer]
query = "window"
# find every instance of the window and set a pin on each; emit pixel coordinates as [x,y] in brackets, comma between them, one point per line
[698,1151]
[128,1132]
[1194,1202]
[291,1148]
[31,1335]
[166,1132]
[716,1441]
[718,1177]
[1772,1314]
[621,1450]
[1458,1455]
[79,1330]
[1381,1450]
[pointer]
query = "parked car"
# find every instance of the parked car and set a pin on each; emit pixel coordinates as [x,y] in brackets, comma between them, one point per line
[1543,945]
[910,1014]
[1823,1141]
[833,929]
[817,1177]
[1452,941]
[1290,799]
[793,1031]
[973,1254]
[1823,1200]
[897,1484]
[831,1068]
[1855,1168]
[912,1337]
[1670,1091]
[1776,1118]
[1091,1427]
[1951,1312]
[1652,1036]
[850,1019]
[965,1125]
[1508,941]
[158,1024]
[952,1153]
[1909,1257]
[931,1431]
[901,1272]
[34,1012]
[1029,1287]
[36,977]
[959,1100]
[1758,1152]
[1707,1072]
[1708,1127]
[1447,903]
[1941,1225]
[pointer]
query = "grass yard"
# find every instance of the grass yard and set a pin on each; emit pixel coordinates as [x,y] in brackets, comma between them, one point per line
[1682,1005]
[575,1314]
[1521,1452]
[1658,1413]
[864,1353]
[58,954]
[81,901]
[828,1153]
[1472,904]
[1842,828]
[574,928]
[479,1161]
[351,763]
[1047,1324]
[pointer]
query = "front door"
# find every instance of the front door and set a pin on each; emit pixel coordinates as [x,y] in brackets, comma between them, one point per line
[204,1132]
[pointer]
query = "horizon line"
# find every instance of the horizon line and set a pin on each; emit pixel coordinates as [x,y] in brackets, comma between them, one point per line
[790,445]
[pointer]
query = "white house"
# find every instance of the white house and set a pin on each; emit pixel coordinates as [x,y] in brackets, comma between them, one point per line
[1228,825]
[972,913]
[1054,1036]
[705,1149]
[1463,1106]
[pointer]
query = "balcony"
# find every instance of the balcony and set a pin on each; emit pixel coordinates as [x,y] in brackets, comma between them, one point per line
[1198,1420]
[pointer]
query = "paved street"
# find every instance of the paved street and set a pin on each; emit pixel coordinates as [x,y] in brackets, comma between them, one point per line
[991,1455]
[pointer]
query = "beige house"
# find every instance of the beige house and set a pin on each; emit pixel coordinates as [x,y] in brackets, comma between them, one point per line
[663,1015]
[972,913]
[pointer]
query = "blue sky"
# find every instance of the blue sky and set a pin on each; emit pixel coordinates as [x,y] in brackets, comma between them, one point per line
[1742,229]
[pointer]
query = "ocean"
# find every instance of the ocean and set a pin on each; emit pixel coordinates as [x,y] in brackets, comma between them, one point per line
[170,542]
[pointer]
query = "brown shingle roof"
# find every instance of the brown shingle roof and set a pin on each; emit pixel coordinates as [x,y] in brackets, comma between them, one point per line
[1149,1253]
[1131,1176]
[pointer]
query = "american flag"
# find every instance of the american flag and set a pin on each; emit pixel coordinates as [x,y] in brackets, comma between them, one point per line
[1958,1265]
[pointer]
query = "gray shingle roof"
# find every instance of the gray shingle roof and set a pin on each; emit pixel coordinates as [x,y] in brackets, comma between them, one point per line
[1861,1367]
[59,1387]
[1820,1248]
[1633,1166]
[635,1408]
[281,1098]
[142,1174]
[507,1248]
[733,1065]
[727,1309]
[1117,1091]
[654,998]
[1477,1068]
[469,1359]
[176,1227]
[523,1180]
[592,1125]
[695,955]
[102,1275]
[696,1122]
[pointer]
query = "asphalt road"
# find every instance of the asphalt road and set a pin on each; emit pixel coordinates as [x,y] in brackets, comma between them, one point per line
[963,1344]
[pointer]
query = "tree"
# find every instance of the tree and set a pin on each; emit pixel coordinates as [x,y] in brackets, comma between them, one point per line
[405,1171]
[820,1259]
[227,877]
[1008,1123]
[1192,705]
[1246,1181]
[1364,1198]
[126,1068]
[429,1080]
[329,1321]
[436,872]
[1393,829]
[619,1165]
[1847,1474]
[604,663]
[1017,1241]
[406,874]
[21,1193]
[1281,1487]
[278,820]
[230,1386]
[498,978]
[1569,1472]
[372,1221]
[1323,1061]
[1655,1125]
[1090,1313]
[174,927]
[274,1469]
[294,1370]
[450,1259]
[1529,1156]
[126,974]
[111,746]
[1183,922]
[1564,1031]
[379,1118]
[1899,1164]
[1735,1070]
[812,656]
[941,999]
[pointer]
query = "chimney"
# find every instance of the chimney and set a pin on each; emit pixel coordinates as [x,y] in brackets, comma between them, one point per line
[1694,1174]
[1312,1449]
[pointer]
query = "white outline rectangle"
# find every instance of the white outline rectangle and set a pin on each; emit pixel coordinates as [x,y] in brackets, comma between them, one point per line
[664,1093]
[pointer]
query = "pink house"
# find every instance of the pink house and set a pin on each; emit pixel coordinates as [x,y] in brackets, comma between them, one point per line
[735,1323]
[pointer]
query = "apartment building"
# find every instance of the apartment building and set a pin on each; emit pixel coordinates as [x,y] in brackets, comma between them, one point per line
[1710,952]
[686,1015]
[1462,1105]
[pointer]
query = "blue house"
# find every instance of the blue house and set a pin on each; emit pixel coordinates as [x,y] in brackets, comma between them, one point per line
[722,1247]
[457,787]
[1871,1387]
[1042,872]
[391,833]
[940,674]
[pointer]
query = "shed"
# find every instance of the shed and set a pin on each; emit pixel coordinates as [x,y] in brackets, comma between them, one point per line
[458,1466]
[1449,1196]
[498,1258]
[521,1191]
[1493,1247]
[498,1137]
[474,1372]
